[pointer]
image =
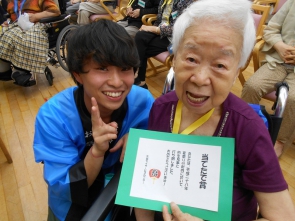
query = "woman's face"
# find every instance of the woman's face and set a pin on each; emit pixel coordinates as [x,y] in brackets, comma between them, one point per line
[108,85]
[206,66]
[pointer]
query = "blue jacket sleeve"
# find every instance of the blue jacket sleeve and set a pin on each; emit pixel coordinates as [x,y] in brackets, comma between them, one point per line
[59,143]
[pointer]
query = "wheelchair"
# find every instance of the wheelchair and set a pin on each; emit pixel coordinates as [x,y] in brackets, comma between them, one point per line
[58,30]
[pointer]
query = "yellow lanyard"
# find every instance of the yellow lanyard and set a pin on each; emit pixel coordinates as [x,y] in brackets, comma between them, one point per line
[166,2]
[130,3]
[193,126]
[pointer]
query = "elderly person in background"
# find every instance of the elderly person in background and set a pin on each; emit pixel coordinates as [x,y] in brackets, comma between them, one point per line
[279,50]
[135,10]
[72,9]
[3,12]
[212,40]
[26,50]
[86,9]
[153,40]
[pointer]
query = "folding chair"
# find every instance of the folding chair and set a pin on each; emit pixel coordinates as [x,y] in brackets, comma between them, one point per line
[275,4]
[260,14]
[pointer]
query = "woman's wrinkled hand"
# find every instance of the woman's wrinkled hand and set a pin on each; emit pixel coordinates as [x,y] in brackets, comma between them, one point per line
[177,214]
[102,133]
[121,143]
[144,28]
[148,28]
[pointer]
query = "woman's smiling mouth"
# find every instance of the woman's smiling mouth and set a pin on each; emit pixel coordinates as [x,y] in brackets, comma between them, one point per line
[196,99]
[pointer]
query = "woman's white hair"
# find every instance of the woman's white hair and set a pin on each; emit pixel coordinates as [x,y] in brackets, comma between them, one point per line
[235,14]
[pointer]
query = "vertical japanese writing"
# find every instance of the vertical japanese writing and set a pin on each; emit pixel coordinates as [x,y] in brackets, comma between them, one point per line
[178,159]
[203,172]
[188,163]
[166,166]
[183,156]
[172,161]
[145,166]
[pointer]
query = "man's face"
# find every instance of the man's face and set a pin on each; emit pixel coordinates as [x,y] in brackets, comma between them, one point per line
[108,85]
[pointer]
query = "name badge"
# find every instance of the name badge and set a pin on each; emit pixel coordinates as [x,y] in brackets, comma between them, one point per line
[141,3]
[174,14]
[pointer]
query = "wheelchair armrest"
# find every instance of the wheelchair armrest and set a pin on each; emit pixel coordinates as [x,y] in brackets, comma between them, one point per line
[169,82]
[123,11]
[104,202]
[54,19]
[281,101]
[278,107]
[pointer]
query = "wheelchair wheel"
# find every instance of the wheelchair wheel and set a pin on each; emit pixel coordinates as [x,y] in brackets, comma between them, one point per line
[49,76]
[61,50]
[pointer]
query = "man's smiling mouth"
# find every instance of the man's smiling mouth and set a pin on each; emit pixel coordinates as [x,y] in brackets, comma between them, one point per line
[113,94]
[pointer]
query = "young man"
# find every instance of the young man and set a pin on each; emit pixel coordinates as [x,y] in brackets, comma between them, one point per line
[78,130]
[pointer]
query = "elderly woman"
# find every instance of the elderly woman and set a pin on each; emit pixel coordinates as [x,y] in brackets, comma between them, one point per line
[212,41]
[26,50]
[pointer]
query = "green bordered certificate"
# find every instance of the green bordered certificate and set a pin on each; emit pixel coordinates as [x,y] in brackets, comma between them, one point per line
[195,172]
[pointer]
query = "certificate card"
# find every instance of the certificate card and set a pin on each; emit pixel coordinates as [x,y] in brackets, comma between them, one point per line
[195,172]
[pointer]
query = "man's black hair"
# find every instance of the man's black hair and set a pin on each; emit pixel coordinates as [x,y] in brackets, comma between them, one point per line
[105,42]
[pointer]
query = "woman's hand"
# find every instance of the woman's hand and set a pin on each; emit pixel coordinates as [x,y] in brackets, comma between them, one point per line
[148,28]
[33,17]
[121,143]
[5,24]
[129,10]
[74,2]
[102,133]
[283,49]
[177,215]
[135,13]
[290,58]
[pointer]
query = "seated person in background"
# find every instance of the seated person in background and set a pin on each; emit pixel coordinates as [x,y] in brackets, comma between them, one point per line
[212,40]
[72,9]
[279,50]
[152,40]
[86,9]
[135,10]
[76,128]
[25,50]
[3,12]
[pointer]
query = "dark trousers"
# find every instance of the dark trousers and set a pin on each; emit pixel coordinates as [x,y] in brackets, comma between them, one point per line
[148,45]
[3,11]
